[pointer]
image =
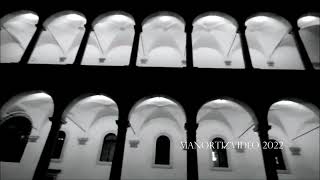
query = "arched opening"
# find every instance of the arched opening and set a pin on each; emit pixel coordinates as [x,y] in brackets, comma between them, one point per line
[219,153]
[162,41]
[91,135]
[295,124]
[153,140]
[215,41]
[226,123]
[309,25]
[14,135]
[17,29]
[271,45]
[108,147]
[59,145]
[162,156]
[62,35]
[24,128]
[110,42]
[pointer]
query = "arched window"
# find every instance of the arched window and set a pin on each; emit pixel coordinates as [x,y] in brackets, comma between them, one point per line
[108,147]
[162,150]
[278,156]
[59,145]
[14,135]
[219,154]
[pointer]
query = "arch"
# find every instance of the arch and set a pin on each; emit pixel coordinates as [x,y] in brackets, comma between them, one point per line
[308,105]
[261,17]
[110,41]
[30,16]
[116,15]
[14,135]
[157,104]
[159,113]
[62,34]
[28,103]
[96,106]
[151,17]
[270,34]
[234,105]
[294,114]
[162,41]
[216,34]
[60,14]
[17,29]
[216,16]
[309,19]
[309,32]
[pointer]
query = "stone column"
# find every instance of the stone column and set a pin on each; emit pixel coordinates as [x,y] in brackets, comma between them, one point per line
[117,161]
[245,47]
[45,158]
[270,167]
[135,46]
[32,44]
[189,49]
[301,48]
[83,44]
[192,157]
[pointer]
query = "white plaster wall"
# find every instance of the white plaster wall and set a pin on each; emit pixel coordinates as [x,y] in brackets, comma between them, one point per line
[242,165]
[286,55]
[138,162]
[13,46]
[47,50]
[116,47]
[211,54]
[162,48]
[82,161]
[305,165]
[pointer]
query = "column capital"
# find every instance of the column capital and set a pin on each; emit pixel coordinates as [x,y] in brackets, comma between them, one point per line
[259,128]
[138,28]
[241,28]
[189,28]
[57,119]
[123,123]
[191,126]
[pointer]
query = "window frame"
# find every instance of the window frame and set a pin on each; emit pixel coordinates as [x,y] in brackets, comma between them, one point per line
[284,156]
[162,166]
[98,162]
[29,119]
[211,166]
[63,147]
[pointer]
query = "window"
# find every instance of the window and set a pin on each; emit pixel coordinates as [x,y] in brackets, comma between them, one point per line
[108,148]
[278,156]
[219,154]
[59,145]
[162,150]
[14,135]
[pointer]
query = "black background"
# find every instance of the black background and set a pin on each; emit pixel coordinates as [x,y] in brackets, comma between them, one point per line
[191,87]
